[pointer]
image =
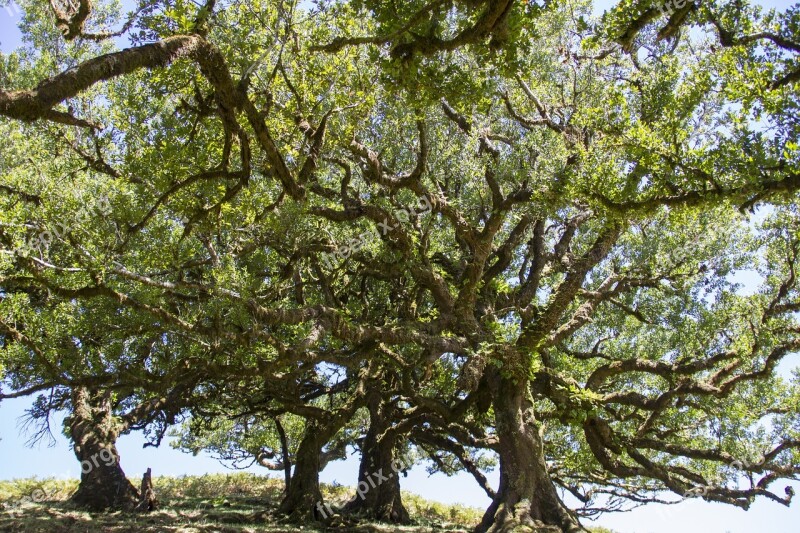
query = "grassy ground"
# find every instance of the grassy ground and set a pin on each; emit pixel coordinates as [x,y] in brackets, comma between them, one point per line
[230,503]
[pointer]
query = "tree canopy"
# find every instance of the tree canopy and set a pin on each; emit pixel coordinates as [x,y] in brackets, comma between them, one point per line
[464,232]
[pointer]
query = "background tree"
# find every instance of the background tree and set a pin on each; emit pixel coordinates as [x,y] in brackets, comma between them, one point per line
[244,441]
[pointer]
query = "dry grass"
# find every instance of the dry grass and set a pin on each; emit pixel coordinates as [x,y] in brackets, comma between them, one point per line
[220,503]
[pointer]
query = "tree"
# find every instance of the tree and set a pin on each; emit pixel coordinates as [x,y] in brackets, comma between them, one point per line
[535,210]
[306,412]
[244,441]
[379,453]
[66,350]
[94,433]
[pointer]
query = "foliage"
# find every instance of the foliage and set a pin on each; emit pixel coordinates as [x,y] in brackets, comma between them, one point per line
[592,187]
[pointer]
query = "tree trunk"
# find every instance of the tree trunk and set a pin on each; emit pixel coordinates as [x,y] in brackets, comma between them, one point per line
[303,497]
[147,498]
[381,501]
[94,433]
[527,499]
[287,460]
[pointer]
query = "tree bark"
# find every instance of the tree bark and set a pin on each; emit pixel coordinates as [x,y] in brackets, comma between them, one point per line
[287,460]
[527,499]
[37,103]
[303,493]
[383,501]
[94,433]
[147,498]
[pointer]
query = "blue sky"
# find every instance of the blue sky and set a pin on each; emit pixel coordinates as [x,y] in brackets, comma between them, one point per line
[690,516]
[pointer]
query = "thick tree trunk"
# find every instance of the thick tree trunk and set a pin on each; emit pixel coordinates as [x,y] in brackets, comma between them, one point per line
[378,498]
[303,499]
[94,433]
[527,499]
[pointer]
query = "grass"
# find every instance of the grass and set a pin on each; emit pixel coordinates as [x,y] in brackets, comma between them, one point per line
[239,502]
[223,503]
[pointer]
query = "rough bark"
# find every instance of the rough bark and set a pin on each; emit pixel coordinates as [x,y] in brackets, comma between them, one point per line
[37,103]
[383,501]
[147,500]
[303,493]
[94,434]
[527,499]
